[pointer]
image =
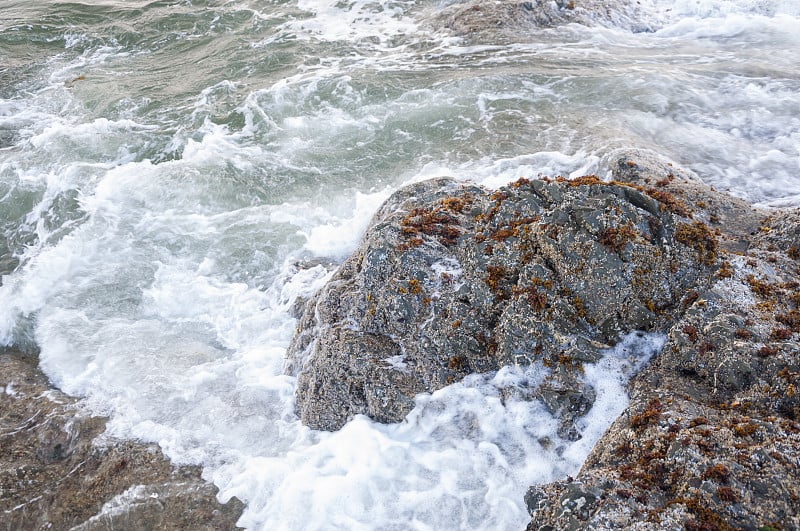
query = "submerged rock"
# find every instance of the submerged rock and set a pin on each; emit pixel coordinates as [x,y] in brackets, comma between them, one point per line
[56,472]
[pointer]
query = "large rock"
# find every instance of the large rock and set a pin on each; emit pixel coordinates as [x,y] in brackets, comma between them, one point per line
[453,279]
[480,20]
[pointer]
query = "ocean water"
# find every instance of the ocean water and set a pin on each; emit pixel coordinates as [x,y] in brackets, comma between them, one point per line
[170,171]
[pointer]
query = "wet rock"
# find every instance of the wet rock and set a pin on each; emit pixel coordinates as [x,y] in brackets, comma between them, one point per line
[453,279]
[576,503]
[737,220]
[492,20]
[58,472]
[779,232]
[711,437]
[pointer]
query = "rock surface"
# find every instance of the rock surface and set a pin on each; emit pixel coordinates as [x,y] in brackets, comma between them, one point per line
[57,473]
[480,20]
[453,279]
[711,439]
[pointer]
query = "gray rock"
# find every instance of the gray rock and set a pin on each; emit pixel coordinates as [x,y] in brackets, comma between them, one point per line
[453,279]
[711,437]
[736,219]
[513,18]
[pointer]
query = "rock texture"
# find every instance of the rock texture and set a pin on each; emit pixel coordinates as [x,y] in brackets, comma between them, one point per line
[477,19]
[711,439]
[453,279]
[55,473]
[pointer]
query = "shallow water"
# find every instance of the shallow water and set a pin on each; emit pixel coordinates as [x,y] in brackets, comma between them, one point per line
[165,165]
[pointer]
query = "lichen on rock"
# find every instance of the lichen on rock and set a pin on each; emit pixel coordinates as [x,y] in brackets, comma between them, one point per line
[711,437]
[453,279]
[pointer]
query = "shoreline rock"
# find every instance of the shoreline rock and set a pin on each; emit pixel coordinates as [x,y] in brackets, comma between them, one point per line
[478,20]
[56,472]
[711,437]
[453,279]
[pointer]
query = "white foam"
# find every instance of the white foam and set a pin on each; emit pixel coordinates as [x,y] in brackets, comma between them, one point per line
[95,131]
[711,9]
[357,20]
[339,237]
[493,173]
[750,27]
[460,459]
[609,377]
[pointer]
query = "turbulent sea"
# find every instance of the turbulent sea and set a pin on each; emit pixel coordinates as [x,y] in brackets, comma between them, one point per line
[165,166]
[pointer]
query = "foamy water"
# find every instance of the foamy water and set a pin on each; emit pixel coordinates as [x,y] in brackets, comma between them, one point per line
[167,191]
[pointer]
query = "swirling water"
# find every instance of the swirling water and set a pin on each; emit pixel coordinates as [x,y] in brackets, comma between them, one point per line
[164,166]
